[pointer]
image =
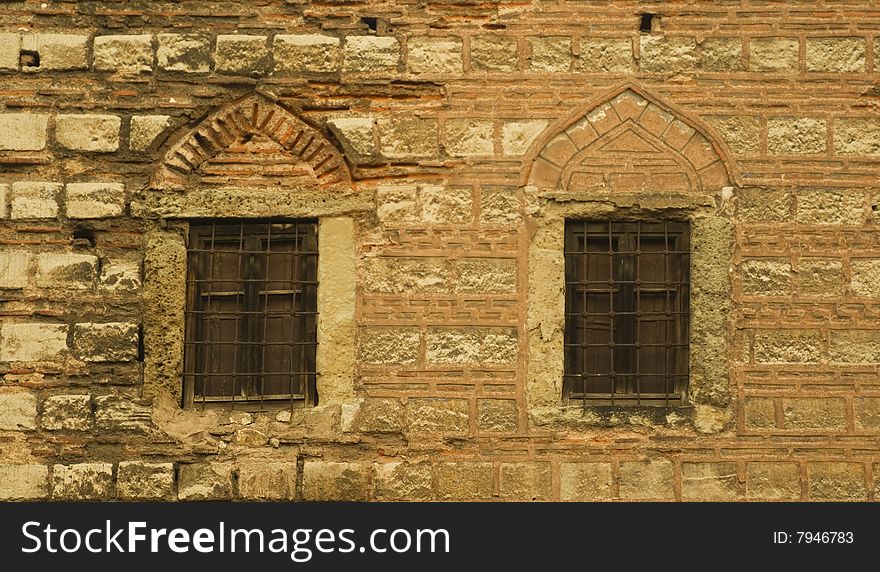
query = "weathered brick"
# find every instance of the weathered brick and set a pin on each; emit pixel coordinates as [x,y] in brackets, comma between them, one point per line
[525,481]
[709,482]
[57,51]
[865,276]
[599,55]
[867,413]
[370,54]
[644,480]
[241,54]
[465,480]
[469,137]
[306,53]
[33,342]
[261,479]
[95,200]
[67,413]
[857,136]
[14,268]
[787,346]
[496,415]
[437,415]
[667,54]
[550,54]
[434,55]
[854,346]
[814,413]
[760,413]
[820,276]
[766,276]
[23,131]
[774,54]
[83,481]
[408,136]
[836,481]
[404,481]
[335,481]
[145,129]
[471,345]
[486,275]
[24,482]
[494,53]
[10,46]
[721,54]
[389,345]
[190,53]
[98,133]
[18,410]
[773,481]
[139,480]
[836,54]
[66,270]
[793,136]
[585,481]
[742,133]
[517,136]
[205,481]
[35,200]
[127,54]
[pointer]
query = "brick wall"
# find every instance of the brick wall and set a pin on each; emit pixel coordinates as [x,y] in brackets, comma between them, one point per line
[461,126]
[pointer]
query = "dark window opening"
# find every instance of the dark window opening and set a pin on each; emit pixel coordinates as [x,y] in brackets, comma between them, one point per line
[372,23]
[646,22]
[627,315]
[251,315]
[29,59]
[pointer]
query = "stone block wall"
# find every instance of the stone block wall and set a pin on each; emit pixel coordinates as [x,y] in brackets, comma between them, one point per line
[451,134]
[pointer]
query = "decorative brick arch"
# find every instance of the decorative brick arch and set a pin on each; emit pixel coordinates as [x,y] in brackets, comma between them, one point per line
[254,114]
[629,141]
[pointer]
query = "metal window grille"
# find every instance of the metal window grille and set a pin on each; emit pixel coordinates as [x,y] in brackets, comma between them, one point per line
[627,292]
[251,314]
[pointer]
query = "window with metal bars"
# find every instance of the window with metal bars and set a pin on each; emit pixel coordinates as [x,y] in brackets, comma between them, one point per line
[251,315]
[627,292]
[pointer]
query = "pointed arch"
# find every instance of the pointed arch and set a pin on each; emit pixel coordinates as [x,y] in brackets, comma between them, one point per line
[628,140]
[252,115]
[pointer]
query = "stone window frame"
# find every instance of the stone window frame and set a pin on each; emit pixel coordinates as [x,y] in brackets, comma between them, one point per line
[707,207]
[173,199]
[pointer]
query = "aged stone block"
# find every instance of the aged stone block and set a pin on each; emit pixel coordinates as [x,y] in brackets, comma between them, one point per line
[836,54]
[437,415]
[104,342]
[4,193]
[95,200]
[433,54]
[496,415]
[518,136]
[389,345]
[98,133]
[67,413]
[120,275]
[820,276]
[33,342]
[127,54]
[66,270]
[793,136]
[787,346]
[357,135]
[709,482]
[24,482]
[84,481]
[18,410]
[57,51]
[665,54]
[398,275]
[766,276]
[500,206]
[404,481]
[14,268]
[472,345]
[23,131]
[469,137]
[525,481]
[370,54]
[599,55]
[854,346]
[721,54]
[373,415]
[139,480]
[190,53]
[585,481]
[865,276]
[774,54]
[465,480]
[205,481]
[642,480]
[494,53]
[763,205]
[836,481]
[241,54]
[10,46]
[145,129]
[397,203]
[741,133]
[486,275]
[35,200]
[829,207]
[306,53]
[867,413]
[261,479]
[408,136]
[445,205]
[117,413]
[857,136]
[335,481]
[773,481]
[550,54]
